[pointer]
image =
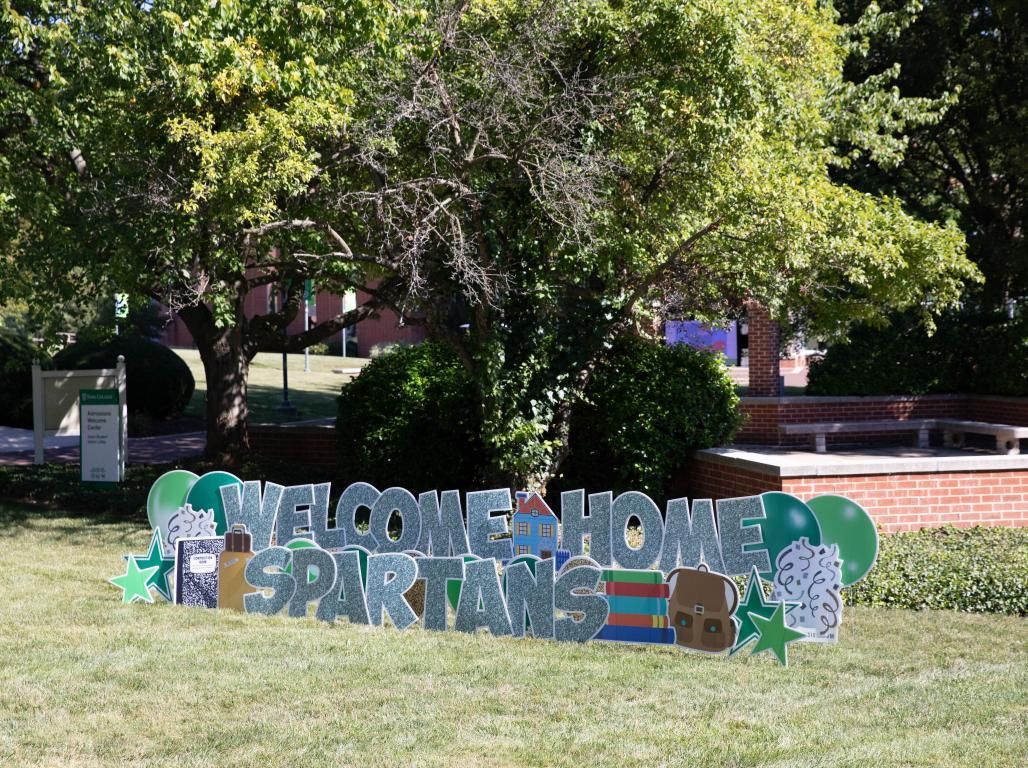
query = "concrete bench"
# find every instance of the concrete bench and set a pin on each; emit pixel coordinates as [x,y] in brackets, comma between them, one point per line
[820,430]
[1007,435]
[954,430]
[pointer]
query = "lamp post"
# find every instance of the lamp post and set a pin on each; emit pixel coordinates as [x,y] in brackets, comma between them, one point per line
[286,406]
[308,290]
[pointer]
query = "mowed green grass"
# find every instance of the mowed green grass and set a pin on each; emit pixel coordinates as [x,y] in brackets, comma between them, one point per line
[313,393]
[87,681]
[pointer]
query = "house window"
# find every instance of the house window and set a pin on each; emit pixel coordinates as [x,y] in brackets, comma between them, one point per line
[523,550]
[547,530]
[522,529]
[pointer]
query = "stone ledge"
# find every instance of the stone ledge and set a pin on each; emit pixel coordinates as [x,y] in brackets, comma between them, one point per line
[896,461]
[828,399]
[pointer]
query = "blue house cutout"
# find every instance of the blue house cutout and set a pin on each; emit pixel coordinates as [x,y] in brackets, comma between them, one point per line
[535,527]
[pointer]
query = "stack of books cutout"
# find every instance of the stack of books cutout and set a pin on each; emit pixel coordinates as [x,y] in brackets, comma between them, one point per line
[638,607]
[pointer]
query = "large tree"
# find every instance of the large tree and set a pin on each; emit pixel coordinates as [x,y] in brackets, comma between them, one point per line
[185,151]
[530,179]
[552,173]
[970,166]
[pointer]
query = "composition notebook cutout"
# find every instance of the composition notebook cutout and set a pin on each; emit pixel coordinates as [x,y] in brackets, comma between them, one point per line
[196,571]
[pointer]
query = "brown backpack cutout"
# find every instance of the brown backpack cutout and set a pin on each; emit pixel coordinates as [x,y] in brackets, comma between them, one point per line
[700,609]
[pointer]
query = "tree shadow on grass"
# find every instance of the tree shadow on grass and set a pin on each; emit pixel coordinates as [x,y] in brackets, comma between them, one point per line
[55,491]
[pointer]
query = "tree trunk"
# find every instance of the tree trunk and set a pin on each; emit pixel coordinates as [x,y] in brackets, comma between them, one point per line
[226,365]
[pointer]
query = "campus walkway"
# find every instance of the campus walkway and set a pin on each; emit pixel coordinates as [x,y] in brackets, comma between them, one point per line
[16,448]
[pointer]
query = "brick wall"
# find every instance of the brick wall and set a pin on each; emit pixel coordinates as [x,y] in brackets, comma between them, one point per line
[764,353]
[384,328]
[896,502]
[709,480]
[910,501]
[312,446]
[999,410]
[765,414]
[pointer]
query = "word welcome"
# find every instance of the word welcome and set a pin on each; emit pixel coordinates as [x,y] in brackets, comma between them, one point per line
[434,524]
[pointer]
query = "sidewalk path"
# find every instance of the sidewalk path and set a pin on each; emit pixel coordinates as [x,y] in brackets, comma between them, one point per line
[16,448]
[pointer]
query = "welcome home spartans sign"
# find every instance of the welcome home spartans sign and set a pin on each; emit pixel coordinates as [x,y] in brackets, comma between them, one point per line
[614,569]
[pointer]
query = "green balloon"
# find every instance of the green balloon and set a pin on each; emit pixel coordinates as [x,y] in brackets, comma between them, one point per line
[300,544]
[453,586]
[206,494]
[167,494]
[787,520]
[847,524]
[362,557]
[529,560]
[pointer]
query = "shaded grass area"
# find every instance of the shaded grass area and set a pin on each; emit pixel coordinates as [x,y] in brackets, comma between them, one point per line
[51,487]
[312,393]
[86,681]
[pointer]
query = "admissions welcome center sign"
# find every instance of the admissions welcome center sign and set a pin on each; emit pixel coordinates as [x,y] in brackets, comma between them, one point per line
[611,568]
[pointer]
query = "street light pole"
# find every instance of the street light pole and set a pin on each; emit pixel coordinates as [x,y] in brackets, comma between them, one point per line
[308,289]
[286,406]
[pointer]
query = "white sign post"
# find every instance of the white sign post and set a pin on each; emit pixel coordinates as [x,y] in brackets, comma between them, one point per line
[100,436]
[55,403]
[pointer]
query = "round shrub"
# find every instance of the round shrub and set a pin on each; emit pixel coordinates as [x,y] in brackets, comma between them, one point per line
[409,420]
[16,356]
[647,407]
[159,382]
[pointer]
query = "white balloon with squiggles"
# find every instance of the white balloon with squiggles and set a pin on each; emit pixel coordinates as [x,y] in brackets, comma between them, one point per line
[189,523]
[811,576]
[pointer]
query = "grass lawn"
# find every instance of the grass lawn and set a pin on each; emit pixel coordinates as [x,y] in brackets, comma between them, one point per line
[87,681]
[313,393]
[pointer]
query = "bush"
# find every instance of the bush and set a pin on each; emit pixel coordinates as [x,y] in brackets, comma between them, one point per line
[966,354]
[979,570]
[646,408]
[160,384]
[409,420]
[16,356]
[1002,359]
[901,359]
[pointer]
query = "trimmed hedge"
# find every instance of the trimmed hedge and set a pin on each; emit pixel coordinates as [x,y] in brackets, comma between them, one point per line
[975,570]
[160,383]
[409,420]
[16,356]
[966,354]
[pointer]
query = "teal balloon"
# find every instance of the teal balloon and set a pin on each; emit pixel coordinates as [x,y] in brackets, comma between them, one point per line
[167,494]
[206,494]
[453,586]
[529,560]
[787,519]
[362,556]
[847,524]
[294,545]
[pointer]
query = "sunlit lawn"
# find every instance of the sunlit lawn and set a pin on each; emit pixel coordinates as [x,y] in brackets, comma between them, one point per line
[87,681]
[313,393]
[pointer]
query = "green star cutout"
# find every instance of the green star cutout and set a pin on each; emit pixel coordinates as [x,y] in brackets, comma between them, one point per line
[155,556]
[133,583]
[775,635]
[753,604]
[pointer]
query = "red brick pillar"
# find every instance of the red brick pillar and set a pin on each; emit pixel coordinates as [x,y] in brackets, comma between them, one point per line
[765,376]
